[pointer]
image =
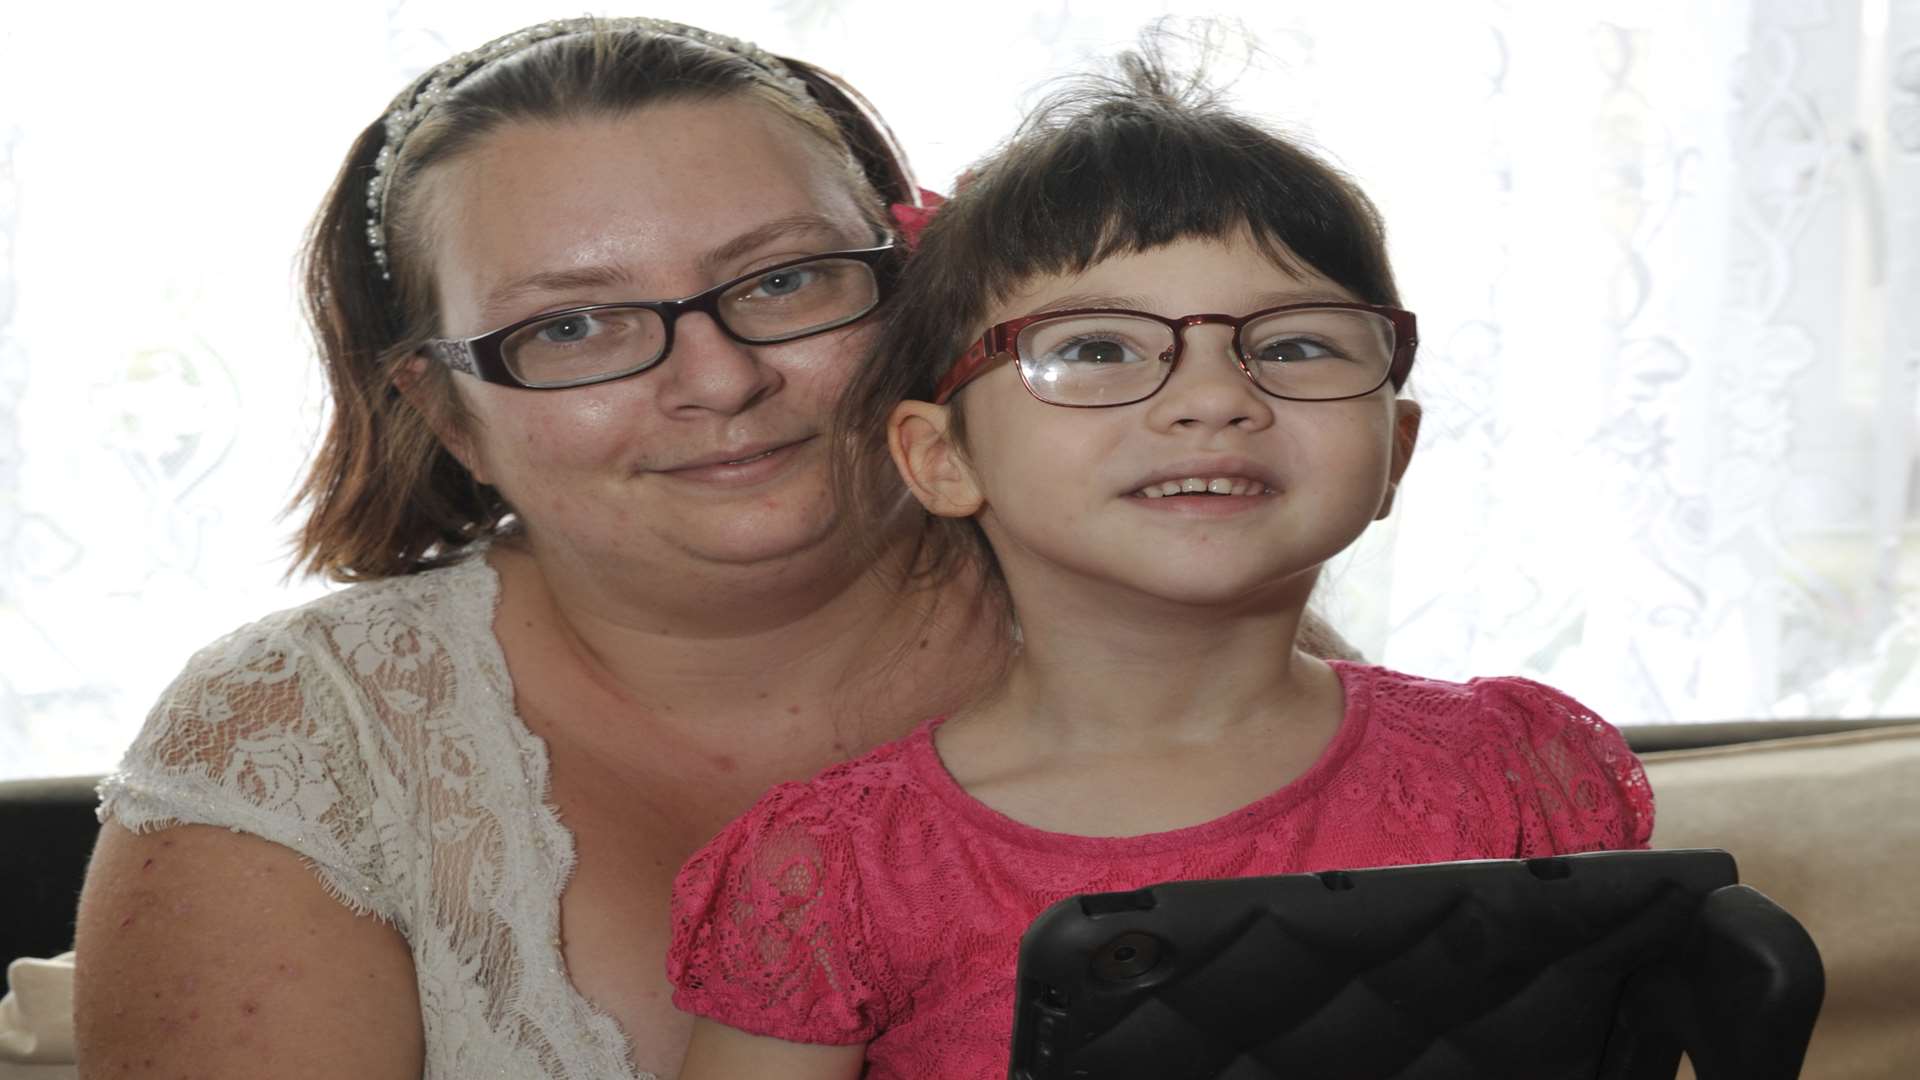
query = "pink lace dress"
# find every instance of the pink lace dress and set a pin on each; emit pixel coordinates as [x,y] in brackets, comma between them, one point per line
[880,903]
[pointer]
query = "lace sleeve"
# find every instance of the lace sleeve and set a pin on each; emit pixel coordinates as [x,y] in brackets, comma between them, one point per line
[1576,785]
[769,935]
[253,736]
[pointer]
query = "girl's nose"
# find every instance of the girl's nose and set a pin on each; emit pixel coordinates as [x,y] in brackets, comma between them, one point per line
[1208,388]
[710,372]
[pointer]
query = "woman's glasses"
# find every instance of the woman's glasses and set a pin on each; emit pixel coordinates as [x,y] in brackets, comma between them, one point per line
[1094,357]
[581,346]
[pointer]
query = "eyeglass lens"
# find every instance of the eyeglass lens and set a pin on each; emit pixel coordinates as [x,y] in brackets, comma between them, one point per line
[787,303]
[1308,354]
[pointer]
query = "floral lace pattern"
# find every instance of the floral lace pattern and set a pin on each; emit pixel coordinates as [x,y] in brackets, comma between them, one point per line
[881,903]
[373,732]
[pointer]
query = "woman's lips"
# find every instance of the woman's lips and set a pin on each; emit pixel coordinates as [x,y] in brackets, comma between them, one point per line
[748,467]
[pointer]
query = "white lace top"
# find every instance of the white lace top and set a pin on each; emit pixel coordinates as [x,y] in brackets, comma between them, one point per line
[373,731]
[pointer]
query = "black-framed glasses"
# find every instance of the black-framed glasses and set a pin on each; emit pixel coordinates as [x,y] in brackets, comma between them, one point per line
[596,343]
[1096,357]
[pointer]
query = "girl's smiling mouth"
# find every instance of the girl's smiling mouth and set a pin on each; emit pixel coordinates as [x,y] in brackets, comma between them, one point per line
[1203,485]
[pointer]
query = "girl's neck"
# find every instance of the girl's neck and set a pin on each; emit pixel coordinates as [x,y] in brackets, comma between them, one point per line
[1092,670]
[1145,721]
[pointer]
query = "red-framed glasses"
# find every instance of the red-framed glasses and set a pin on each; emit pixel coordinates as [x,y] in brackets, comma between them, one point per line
[1098,357]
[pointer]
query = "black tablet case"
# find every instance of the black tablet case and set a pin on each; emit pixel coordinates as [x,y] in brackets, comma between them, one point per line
[1584,966]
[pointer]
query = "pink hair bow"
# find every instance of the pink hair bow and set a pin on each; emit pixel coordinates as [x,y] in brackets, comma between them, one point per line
[913,219]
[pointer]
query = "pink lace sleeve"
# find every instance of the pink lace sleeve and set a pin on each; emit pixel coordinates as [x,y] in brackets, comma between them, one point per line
[769,935]
[1577,785]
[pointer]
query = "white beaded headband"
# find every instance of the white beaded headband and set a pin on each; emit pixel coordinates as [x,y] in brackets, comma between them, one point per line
[426,92]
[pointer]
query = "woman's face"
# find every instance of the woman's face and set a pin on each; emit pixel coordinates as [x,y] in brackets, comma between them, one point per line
[718,454]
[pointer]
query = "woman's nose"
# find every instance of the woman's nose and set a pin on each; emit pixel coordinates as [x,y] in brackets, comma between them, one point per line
[709,371]
[1208,388]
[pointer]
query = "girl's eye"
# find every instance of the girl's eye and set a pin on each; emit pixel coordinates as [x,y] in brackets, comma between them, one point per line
[1089,351]
[1289,350]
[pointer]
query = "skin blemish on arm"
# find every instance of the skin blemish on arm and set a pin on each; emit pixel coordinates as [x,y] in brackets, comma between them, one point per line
[793,710]
[249,1008]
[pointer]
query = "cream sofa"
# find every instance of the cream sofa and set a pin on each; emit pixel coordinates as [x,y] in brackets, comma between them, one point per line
[1828,825]
[1823,820]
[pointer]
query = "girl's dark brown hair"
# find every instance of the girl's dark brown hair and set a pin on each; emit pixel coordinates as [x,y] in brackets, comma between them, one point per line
[1108,165]
[384,497]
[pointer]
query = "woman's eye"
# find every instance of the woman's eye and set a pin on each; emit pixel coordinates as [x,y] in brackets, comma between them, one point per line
[566,329]
[1292,350]
[783,282]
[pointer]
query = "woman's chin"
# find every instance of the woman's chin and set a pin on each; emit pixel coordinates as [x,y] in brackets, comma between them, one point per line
[770,536]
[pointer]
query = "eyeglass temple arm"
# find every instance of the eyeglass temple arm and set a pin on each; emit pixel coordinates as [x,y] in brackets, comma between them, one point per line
[456,354]
[975,361]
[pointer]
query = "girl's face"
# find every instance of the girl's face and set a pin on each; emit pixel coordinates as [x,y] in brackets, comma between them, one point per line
[1060,492]
[716,455]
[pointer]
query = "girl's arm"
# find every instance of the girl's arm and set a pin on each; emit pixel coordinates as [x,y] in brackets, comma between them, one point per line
[218,954]
[719,1052]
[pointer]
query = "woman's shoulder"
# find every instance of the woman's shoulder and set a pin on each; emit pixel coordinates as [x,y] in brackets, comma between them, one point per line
[390,646]
[459,595]
[302,725]
[352,632]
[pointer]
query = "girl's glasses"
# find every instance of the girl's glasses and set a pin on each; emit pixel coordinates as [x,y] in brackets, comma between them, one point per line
[581,346]
[1095,357]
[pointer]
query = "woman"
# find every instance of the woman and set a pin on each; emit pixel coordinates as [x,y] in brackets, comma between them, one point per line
[604,599]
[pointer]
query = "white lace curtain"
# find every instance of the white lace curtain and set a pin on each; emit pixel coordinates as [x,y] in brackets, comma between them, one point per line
[1667,260]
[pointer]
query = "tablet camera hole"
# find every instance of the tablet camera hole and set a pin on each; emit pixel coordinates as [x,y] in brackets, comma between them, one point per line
[1128,956]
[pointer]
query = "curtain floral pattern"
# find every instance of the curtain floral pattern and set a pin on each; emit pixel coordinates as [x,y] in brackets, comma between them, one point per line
[1666,257]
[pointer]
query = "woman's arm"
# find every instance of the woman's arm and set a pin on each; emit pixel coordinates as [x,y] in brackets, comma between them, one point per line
[719,1052]
[214,953]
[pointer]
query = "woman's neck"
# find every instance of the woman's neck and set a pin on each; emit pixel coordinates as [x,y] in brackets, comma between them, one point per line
[818,628]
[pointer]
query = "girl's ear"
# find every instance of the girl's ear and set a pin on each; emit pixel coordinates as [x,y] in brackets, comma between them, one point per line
[410,379]
[1406,431]
[920,438]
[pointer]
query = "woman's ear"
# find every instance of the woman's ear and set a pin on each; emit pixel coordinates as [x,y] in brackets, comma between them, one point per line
[1406,432]
[411,379]
[920,438]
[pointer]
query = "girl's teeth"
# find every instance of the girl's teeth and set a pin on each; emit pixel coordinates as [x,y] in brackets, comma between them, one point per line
[1194,485]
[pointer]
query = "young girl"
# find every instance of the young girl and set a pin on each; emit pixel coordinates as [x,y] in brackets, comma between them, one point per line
[1150,355]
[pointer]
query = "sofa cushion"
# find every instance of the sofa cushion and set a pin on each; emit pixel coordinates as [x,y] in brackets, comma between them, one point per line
[47,830]
[1829,827]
